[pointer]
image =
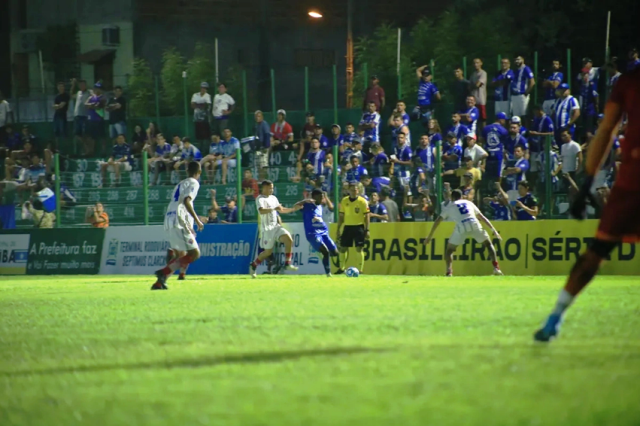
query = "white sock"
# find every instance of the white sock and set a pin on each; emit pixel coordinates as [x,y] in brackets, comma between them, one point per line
[564,301]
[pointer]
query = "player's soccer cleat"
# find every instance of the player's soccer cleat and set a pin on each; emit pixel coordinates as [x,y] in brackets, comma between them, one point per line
[329,275]
[252,271]
[181,277]
[162,278]
[340,271]
[159,286]
[497,271]
[550,330]
[290,267]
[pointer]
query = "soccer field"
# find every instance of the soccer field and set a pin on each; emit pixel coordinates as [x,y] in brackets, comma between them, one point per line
[298,350]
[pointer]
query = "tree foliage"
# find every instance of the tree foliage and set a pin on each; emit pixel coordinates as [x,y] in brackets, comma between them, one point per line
[173,64]
[201,67]
[141,90]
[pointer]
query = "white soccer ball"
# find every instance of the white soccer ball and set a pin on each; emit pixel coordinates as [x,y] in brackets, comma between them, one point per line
[352,272]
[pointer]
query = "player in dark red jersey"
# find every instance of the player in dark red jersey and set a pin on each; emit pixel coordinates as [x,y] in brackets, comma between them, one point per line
[619,222]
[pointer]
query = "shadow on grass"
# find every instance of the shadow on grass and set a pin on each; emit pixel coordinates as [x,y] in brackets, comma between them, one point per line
[207,361]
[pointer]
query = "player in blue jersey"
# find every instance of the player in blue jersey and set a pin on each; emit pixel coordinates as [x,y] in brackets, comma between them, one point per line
[317,231]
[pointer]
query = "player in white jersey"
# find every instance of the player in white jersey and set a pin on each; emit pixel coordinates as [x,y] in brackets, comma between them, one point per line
[467,218]
[178,222]
[271,231]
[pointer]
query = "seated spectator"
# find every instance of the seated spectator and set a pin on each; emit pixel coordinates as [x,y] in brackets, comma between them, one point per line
[393,211]
[460,130]
[354,171]
[229,210]
[161,158]
[209,162]
[499,204]
[336,139]
[398,126]
[526,206]
[281,133]
[250,185]
[10,140]
[451,157]
[469,116]
[229,149]
[324,142]
[370,124]
[97,217]
[41,218]
[189,153]
[121,159]
[475,152]
[378,212]
[515,139]
[139,138]
[27,136]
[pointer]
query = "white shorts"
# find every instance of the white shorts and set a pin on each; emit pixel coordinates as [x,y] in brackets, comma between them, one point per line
[476,232]
[547,107]
[533,161]
[123,166]
[503,106]
[519,104]
[269,238]
[182,239]
[230,163]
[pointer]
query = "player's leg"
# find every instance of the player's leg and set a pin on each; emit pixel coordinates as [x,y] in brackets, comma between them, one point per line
[493,255]
[346,242]
[285,238]
[264,254]
[332,248]
[448,258]
[317,242]
[183,240]
[581,274]
[359,242]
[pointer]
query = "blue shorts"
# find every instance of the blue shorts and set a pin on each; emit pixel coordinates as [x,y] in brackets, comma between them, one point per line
[318,241]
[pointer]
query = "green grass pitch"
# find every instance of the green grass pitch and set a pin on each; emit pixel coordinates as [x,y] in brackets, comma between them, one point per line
[291,350]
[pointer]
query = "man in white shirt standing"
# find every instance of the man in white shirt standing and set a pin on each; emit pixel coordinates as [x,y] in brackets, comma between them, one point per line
[474,151]
[5,113]
[201,103]
[80,111]
[178,222]
[271,231]
[478,83]
[223,105]
[571,154]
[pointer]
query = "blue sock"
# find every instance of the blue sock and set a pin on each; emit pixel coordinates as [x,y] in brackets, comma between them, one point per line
[325,262]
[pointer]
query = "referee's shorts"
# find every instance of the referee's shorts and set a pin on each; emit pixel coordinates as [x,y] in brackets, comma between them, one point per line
[352,234]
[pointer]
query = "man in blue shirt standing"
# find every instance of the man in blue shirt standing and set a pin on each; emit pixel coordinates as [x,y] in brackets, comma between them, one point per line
[502,83]
[541,129]
[517,172]
[513,140]
[316,231]
[566,112]
[470,114]
[121,159]
[228,148]
[427,91]
[402,160]
[521,87]
[550,84]
[493,137]
[370,124]
[451,156]
[460,130]
[316,157]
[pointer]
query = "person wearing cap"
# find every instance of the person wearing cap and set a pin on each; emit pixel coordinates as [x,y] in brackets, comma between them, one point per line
[541,129]
[521,86]
[592,73]
[566,112]
[223,105]
[478,86]
[427,92]
[550,84]
[370,124]
[281,133]
[324,142]
[336,138]
[229,210]
[517,120]
[95,122]
[474,151]
[375,94]
[493,137]
[470,115]
[634,60]
[501,82]
[201,103]
[517,172]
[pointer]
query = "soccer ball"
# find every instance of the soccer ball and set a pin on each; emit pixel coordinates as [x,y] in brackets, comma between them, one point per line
[352,272]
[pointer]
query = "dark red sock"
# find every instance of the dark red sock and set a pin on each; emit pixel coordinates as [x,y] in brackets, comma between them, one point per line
[288,258]
[496,264]
[177,264]
[256,262]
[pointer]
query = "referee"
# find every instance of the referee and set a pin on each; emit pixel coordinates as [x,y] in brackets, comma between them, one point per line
[354,215]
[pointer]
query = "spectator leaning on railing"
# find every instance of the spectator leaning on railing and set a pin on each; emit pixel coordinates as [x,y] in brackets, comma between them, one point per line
[96,216]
